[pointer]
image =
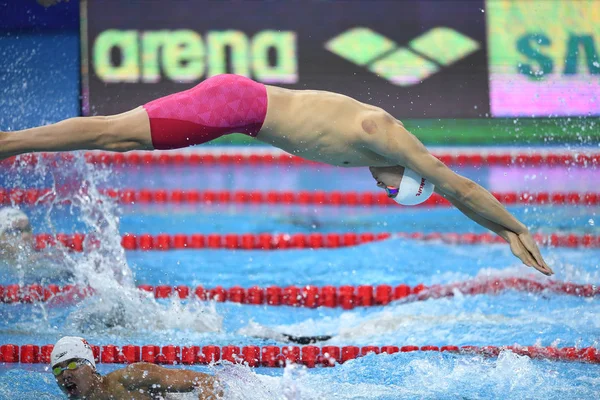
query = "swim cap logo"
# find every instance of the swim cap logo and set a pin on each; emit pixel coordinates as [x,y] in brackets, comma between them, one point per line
[61,355]
[86,344]
[420,191]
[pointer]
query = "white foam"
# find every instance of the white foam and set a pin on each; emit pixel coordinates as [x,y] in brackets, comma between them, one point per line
[410,375]
[130,311]
[296,383]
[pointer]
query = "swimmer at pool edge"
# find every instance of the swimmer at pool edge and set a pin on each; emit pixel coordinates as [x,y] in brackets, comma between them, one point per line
[320,126]
[73,366]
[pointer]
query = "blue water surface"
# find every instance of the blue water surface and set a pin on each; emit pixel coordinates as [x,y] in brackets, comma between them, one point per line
[120,315]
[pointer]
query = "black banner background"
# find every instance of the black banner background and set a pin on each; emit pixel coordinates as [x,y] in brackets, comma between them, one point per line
[458,91]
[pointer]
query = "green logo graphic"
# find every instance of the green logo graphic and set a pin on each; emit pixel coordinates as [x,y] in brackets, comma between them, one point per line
[403,66]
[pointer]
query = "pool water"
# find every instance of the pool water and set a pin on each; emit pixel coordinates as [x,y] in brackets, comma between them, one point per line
[119,315]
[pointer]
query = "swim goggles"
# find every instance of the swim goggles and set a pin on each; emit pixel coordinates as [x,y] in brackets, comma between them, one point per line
[73,365]
[391,191]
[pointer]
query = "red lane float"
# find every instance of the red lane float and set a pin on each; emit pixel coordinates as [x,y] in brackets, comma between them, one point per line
[187,158]
[266,241]
[275,356]
[346,297]
[18,196]
[35,293]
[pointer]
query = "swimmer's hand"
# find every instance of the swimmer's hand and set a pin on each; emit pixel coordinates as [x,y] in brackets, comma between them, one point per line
[524,247]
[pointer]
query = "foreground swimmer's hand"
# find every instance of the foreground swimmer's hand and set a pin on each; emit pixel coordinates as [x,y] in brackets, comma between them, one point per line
[527,241]
[524,247]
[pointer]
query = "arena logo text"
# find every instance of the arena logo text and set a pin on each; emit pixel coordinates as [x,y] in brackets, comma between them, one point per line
[185,56]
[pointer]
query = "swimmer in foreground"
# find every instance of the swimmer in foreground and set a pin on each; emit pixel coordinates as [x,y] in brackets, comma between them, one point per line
[320,126]
[74,369]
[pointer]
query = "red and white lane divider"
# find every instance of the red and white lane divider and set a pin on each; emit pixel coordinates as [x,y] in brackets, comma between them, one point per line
[275,356]
[303,197]
[346,297]
[248,241]
[252,157]
[267,241]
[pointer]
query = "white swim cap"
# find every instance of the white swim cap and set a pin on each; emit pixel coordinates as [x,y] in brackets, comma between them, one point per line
[414,189]
[71,347]
[8,215]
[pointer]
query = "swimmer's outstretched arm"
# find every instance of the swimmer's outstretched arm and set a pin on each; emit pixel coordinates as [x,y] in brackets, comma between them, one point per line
[153,378]
[517,248]
[402,148]
[121,132]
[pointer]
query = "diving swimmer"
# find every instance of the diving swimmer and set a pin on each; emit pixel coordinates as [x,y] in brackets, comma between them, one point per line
[74,368]
[317,125]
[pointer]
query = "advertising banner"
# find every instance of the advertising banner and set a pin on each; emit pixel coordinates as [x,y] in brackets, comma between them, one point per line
[544,57]
[415,58]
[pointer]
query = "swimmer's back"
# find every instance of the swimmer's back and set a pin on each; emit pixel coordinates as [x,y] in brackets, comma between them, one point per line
[318,125]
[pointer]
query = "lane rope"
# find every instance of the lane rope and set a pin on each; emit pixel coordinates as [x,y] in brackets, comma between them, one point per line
[266,241]
[31,196]
[479,158]
[346,297]
[275,356]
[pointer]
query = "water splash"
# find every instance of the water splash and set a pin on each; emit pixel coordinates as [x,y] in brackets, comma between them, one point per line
[117,305]
[21,384]
[426,376]
[133,311]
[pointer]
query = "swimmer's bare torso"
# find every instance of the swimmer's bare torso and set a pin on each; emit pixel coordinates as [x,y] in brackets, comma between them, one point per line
[321,126]
[143,381]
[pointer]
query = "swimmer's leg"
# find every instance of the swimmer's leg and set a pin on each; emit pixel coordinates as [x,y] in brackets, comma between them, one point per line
[121,132]
[220,105]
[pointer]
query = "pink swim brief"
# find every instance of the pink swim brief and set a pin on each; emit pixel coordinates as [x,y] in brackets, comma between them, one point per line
[218,106]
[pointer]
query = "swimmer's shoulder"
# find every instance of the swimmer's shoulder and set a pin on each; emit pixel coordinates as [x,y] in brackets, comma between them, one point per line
[132,376]
[124,382]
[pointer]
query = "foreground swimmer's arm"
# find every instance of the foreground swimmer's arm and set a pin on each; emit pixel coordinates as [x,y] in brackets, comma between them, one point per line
[153,378]
[401,147]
